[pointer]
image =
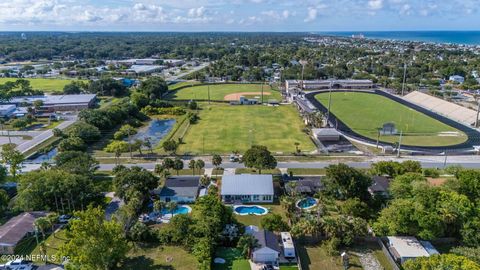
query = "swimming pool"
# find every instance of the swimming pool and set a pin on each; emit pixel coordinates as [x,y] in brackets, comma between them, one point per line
[180,210]
[307,203]
[244,210]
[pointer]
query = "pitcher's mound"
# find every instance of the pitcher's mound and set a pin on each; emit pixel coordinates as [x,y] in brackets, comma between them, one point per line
[236,96]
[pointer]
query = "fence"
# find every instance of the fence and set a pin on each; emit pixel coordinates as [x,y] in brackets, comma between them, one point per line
[387,254]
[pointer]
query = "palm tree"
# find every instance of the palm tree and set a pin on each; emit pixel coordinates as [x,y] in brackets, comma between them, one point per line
[246,244]
[191,165]
[172,206]
[297,150]
[42,224]
[158,206]
[200,164]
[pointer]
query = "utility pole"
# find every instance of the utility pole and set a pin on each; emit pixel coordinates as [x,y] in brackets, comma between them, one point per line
[478,113]
[9,138]
[399,144]
[445,161]
[404,77]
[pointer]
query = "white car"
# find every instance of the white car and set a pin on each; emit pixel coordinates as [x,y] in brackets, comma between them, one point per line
[18,265]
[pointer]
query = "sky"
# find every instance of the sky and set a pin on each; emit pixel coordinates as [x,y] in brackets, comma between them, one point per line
[239,15]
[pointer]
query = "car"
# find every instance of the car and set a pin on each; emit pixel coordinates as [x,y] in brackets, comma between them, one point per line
[18,264]
[64,218]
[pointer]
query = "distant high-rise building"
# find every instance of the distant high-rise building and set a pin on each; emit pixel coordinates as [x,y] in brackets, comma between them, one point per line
[24,37]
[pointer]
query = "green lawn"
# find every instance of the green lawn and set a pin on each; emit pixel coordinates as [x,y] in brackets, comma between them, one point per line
[256,220]
[160,258]
[219,91]
[46,85]
[288,267]
[53,243]
[364,113]
[225,128]
[315,257]
[233,258]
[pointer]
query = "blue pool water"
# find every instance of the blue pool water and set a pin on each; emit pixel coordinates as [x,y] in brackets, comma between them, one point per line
[307,202]
[156,131]
[179,210]
[250,210]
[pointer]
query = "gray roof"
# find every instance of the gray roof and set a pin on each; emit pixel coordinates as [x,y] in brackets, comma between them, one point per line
[185,186]
[247,184]
[17,227]
[56,99]
[307,185]
[379,184]
[267,239]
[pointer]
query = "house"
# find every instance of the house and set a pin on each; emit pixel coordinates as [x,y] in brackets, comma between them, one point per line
[287,245]
[304,185]
[183,189]
[247,188]
[380,185]
[18,227]
[457,78]
[405,248]
[268,249]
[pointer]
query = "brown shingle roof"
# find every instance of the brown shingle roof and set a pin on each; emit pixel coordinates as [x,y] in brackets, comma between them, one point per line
[17,227]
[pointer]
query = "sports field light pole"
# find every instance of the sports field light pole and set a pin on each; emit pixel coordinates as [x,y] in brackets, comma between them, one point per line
[404,77]
[478,113]
[399,143]
[329,102]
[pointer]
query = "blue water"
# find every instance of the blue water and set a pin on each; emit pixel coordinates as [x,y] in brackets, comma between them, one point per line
[180,210]
[456,37]
[47,157]
[157,130]
[307,202]
[250,210]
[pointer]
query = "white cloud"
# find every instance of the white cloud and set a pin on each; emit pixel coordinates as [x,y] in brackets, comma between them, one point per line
[311,14]
[196,12]
[375,4]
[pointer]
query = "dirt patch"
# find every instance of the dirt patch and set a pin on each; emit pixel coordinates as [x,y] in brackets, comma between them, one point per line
[436,181]
[236,96]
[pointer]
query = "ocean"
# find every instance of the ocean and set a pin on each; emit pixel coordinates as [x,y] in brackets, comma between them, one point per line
[455,37]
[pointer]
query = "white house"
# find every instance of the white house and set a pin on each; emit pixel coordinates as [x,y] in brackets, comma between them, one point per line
[405,248]
[247,188]
[268,250]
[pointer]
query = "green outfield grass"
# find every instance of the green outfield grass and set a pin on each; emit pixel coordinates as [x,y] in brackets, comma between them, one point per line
[225,128]
[219,91]
[46,85]
[364,113]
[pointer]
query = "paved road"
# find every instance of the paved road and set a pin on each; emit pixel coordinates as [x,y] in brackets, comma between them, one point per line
[472,162]
[43,136]
[20,133]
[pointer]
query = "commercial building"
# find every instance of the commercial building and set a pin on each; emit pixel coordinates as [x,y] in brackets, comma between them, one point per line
[145,69]
[53,103]
[247,188]
[7,110]
[182,189]
[311,85]
[18,227]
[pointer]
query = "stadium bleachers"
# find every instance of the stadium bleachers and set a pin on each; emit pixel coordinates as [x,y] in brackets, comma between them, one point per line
[443,107]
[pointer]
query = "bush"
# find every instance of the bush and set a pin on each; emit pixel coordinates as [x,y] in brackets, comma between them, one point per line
[19,123]
[431,172]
